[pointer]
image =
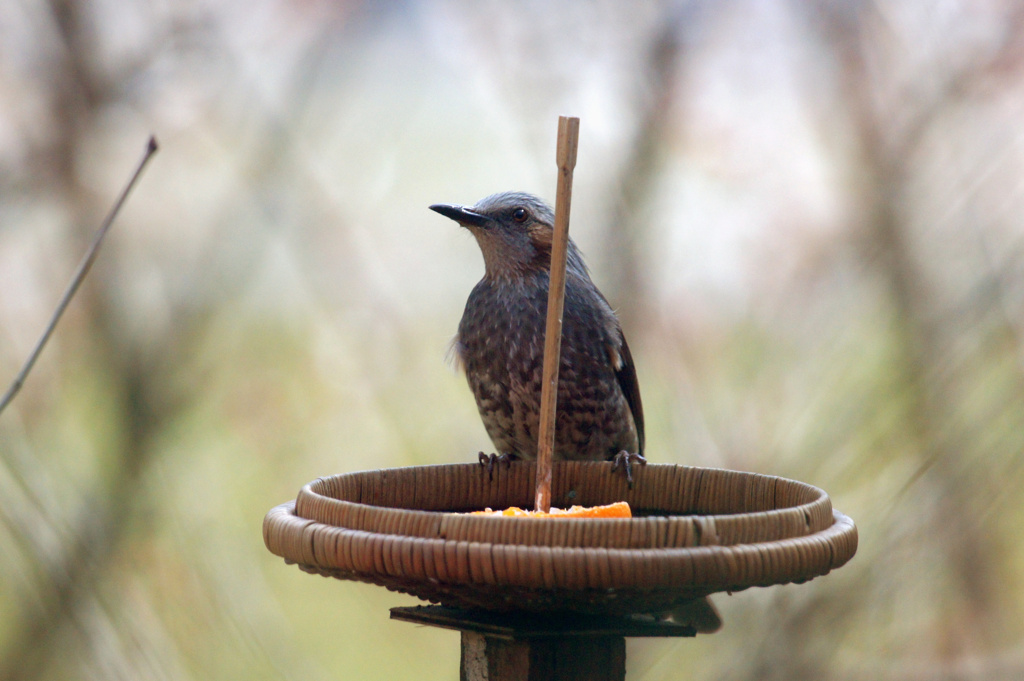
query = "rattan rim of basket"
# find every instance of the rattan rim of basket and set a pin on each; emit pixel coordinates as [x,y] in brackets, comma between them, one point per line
[402,562]
[696,506]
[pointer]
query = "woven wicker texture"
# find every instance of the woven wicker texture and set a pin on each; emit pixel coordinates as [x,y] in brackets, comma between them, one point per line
[697,531]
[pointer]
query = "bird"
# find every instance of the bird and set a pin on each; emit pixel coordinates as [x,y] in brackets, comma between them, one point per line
[500,345]
[500,342]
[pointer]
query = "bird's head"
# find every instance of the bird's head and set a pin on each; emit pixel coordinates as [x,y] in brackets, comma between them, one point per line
[514,231]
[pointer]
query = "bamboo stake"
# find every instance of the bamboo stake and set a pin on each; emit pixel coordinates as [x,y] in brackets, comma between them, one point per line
[565,157]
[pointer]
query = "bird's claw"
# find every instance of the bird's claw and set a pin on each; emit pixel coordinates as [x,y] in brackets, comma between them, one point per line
[488,461]
[624,461]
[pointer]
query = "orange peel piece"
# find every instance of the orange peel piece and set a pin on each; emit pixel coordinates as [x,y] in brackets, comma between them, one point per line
[619,509]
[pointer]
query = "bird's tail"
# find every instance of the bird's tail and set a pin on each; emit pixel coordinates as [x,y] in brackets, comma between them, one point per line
[700,613]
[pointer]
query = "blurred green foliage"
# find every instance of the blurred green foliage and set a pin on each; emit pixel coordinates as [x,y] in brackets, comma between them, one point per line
[806,214]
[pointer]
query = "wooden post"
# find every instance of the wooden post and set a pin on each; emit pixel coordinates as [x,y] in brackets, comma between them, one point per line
[491,658]
[522,646]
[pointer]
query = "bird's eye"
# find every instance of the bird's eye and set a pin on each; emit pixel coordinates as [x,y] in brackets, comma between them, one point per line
[520,215]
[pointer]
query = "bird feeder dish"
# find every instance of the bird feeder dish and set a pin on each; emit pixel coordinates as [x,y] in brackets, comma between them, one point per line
[695,531]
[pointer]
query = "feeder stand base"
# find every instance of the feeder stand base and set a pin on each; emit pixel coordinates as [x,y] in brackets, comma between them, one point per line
[520,646]
[488,658]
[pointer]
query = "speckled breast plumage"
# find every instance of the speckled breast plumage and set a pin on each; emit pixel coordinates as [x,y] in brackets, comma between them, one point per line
[501,346]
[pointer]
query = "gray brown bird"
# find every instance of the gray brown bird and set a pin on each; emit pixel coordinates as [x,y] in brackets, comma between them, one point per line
[500,342]
[500,345]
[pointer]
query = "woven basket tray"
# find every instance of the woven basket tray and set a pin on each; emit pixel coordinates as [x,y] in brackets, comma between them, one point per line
[695,531]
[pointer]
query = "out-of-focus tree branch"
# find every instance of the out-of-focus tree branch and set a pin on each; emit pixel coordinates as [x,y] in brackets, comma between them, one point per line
[79,95]
[146,395]
[889,132]
[628,229]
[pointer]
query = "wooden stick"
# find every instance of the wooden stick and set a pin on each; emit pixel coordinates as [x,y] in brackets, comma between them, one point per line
[565,156]
[76,280]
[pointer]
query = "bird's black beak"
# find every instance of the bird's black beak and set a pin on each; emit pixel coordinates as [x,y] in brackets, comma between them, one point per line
[462,215]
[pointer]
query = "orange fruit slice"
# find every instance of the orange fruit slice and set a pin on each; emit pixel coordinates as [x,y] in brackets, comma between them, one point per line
[620,509]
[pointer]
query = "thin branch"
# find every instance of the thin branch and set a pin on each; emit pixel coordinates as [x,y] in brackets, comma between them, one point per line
[76,280]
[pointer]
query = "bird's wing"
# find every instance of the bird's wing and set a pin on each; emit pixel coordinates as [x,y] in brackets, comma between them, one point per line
[625,373]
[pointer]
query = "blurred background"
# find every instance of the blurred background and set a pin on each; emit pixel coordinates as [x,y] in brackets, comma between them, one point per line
[808,214]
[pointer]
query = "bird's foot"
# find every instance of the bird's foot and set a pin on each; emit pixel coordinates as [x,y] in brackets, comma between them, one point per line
[489,460]
[624,461]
